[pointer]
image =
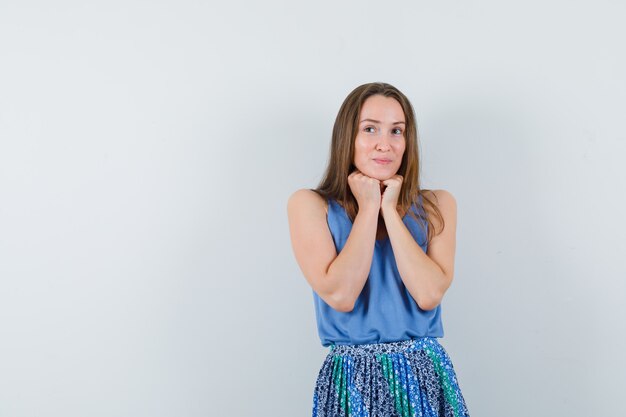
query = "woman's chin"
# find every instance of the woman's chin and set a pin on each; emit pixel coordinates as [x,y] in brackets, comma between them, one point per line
[379,175]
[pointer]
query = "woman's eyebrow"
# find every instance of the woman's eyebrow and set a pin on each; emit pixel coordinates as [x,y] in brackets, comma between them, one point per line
[378,121]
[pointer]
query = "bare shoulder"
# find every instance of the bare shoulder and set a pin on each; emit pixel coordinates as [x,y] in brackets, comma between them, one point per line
[443,198]
[307,200]
[445,202]
[311,240]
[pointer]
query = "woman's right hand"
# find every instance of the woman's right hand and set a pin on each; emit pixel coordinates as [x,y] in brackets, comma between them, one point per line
[365,189]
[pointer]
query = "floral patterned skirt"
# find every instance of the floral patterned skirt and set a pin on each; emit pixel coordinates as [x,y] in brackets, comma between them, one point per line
[412,377]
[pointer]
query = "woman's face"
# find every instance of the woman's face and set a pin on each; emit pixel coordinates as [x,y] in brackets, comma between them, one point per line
[380,142]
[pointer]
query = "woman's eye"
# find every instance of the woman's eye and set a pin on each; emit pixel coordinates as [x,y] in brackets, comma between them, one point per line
[398,131]
[369,127]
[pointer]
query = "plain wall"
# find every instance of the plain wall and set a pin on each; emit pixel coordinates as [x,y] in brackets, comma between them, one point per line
[148,149]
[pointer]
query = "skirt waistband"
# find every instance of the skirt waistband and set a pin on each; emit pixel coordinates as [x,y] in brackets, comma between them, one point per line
[385,347]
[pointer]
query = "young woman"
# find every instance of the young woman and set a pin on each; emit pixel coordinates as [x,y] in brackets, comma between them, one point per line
[378,252]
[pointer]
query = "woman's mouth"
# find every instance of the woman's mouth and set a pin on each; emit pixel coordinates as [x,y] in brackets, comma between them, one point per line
[382,161]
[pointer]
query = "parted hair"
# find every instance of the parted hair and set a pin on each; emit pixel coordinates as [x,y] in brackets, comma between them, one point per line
[334,183]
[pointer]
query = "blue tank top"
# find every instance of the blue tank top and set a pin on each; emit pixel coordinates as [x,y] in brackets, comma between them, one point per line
[385,311]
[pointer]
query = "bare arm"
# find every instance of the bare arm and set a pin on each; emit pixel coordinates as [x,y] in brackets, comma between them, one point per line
[337,278]
[427,276]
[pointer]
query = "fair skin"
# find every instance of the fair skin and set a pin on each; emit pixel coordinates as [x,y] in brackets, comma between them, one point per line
[339,278]
[378,149]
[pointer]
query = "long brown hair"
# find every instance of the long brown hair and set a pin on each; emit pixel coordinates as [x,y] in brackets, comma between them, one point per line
[334,183]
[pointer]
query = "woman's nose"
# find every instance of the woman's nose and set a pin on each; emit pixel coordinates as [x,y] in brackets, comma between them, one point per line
[383,142]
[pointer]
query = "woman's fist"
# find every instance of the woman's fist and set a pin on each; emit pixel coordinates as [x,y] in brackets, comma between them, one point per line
[391,194]
[365,189]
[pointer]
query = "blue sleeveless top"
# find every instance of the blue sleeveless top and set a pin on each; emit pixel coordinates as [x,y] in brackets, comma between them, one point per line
[385,311]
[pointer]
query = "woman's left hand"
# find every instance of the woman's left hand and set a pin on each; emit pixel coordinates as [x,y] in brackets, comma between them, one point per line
[389,198]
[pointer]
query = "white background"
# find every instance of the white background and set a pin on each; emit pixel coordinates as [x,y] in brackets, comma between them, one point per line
[147,151]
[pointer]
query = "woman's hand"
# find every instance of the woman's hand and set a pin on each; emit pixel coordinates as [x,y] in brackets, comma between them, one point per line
[365,189]
[390,196]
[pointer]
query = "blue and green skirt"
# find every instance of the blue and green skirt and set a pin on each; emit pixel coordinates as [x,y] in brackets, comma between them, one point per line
[412,377]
